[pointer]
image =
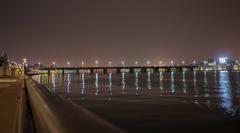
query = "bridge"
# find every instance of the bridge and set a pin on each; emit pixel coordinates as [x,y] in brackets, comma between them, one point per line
[105,70]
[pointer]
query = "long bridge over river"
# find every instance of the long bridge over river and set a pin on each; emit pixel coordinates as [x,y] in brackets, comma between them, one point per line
[104,70]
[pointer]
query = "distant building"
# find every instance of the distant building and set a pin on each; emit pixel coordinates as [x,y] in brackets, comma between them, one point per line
[211,62]
[4,65]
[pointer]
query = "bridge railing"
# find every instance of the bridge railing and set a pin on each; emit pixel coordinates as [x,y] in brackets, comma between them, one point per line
[53,114]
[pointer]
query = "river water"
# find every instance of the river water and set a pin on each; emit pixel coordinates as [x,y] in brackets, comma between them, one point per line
[155,102]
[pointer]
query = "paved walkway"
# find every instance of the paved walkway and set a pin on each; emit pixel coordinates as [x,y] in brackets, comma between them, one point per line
[10,95]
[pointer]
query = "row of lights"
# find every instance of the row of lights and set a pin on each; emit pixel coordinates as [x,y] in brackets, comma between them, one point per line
[110,63]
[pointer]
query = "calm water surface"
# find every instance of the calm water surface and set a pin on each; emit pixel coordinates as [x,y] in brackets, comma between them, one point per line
[155,102]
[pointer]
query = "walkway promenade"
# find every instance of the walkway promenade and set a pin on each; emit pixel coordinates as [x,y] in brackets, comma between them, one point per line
[11,90]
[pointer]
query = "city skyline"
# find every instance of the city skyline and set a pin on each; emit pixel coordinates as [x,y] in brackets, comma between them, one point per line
[118,31]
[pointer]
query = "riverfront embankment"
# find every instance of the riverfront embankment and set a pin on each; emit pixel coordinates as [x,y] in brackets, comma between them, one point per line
[11,93]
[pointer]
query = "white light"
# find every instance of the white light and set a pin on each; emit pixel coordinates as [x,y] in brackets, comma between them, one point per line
[109,63]
[194,62]
[183,62]
[160,62]
[205,62]
[171,62]
[123,63]
[136,63]
[24,60]
[148,62]
[68,63]
[223,60]
[83,63]
[96,62]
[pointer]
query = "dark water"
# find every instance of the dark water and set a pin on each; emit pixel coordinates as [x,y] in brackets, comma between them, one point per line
[159,102]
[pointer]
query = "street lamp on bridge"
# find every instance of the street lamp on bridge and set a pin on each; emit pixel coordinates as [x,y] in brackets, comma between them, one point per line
[54,64]
[68,64]
[136,63]
[24,65]
[183,63]
[96,62]
[39,64]
[109,63]
[194,62]
[123,63]
[160,63]
[82,63]
[148,63]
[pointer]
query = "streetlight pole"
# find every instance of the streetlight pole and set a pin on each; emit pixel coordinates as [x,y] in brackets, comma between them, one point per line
[136,63]
[183,63]
[160,63]
[25,65]
[123,63]
[148,63]
[54,64]
[39,64]
[68,63]
[82,63]
[96,62]
[109,63]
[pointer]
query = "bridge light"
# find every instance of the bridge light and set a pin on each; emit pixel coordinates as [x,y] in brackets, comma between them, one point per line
[136,63]
[123,63]
[96,62]
[109,63]
[183,62]
[160,63]
[194,62]
[54,64]
[68,63]
[39,64]
[82,63]
[148,63]
[172,62]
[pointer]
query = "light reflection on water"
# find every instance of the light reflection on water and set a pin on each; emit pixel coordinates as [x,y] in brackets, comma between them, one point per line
[123,83]
[172,83]
[83,83]
[184,82]
[110,84]
[68,84]
[225,92]
[149,86]
[96,84]
[136,83]
[211,89]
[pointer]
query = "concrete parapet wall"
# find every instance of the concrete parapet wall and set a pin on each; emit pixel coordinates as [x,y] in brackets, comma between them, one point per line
[53,114]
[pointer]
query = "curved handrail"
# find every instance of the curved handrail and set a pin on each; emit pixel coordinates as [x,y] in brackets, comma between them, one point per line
[53,114]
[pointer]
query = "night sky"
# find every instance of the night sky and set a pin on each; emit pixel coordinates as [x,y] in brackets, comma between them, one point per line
[116,30]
